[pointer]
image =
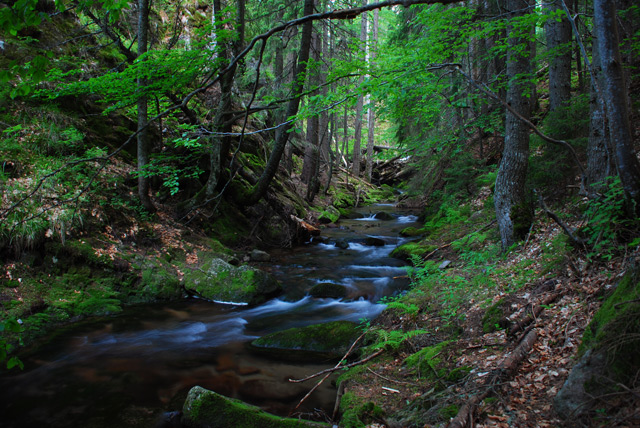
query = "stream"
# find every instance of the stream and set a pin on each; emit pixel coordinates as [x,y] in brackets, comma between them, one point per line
[126,370]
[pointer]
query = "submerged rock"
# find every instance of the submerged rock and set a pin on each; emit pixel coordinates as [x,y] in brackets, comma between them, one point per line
[219,281]
[204,408]
[383,216]
[372,241]
[260,256]
[327,340]
[328,290]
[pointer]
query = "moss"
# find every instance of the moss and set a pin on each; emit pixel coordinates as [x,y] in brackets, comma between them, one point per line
[412,249]
[458,374]
[427,361]
[448,412]
[217,280]
[491,321]
[522,218]
[205,408]
[412,231]
[615,328]
[356,414]
[330,339]
[330,215]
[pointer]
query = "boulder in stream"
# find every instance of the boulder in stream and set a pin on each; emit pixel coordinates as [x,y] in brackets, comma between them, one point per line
[259,256]
[204,408]
[219,281]
[383,216]
[313,342]
[328,290]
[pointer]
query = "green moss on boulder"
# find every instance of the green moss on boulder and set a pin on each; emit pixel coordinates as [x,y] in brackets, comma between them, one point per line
[410,249]
[615,328]
[326,340]
[204,408]
[412,231]
[219,281]
[329,215]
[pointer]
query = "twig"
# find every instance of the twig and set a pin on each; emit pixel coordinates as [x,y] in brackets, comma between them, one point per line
[330,371]
[389,380]
[560,223]
[348,366]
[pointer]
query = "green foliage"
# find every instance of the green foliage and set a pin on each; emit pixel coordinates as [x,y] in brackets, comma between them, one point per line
[7,328]
[390,339]
[426,361]
[551,167]
[608,223]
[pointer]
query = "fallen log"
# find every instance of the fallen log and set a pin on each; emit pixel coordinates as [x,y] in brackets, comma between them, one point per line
[313,231]
[505,370]
[530,315]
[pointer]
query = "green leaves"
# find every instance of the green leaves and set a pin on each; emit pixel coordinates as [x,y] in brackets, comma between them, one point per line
[8,327]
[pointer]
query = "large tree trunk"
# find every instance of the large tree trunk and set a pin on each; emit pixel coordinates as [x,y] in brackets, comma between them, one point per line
[512,212]
[616,98]
[260,189]
[371,116]
[600,160]
[558,35]
[143,117]
[360,103]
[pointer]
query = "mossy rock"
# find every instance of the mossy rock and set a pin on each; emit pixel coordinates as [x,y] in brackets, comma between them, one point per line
[412,231]
[383,216]
[158,282]
[329,215]
[204,408]
[317,341]
[410,249]
[494,317]
[219,281]
[615,328]
[328,290]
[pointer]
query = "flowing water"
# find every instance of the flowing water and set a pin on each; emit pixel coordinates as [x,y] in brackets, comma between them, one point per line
[126,370]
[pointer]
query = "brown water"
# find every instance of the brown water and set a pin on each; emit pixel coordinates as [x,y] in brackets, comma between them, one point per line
[126,370]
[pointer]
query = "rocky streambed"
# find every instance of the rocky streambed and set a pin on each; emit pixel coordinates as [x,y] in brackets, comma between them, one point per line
[128,370]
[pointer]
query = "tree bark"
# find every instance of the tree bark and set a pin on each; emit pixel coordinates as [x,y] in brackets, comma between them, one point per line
[558,35]
[600,160]
[143,116]
[260,189]
[371,114]
[360,103]
[616,99]
[509,198]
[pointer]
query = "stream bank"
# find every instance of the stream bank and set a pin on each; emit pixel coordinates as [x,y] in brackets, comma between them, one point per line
[126,369]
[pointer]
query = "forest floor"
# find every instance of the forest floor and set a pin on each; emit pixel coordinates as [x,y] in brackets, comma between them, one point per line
[471,319]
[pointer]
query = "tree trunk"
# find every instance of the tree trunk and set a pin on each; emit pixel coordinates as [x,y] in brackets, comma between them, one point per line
[600,161]
[360,103]
[260,189]
[558,34]
[512,212]
[371,116]
[143,125]
[616,99]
